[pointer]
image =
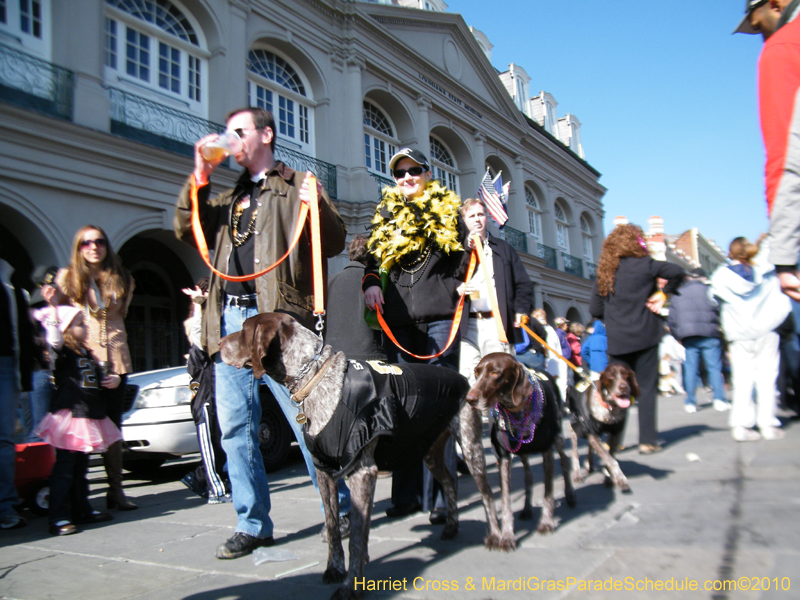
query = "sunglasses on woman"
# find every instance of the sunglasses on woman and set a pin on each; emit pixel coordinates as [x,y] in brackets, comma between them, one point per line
[99,242]
[413,171]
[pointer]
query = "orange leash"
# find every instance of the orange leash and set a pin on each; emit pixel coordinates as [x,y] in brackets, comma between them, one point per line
[202,246]
[501,333]
[453,327]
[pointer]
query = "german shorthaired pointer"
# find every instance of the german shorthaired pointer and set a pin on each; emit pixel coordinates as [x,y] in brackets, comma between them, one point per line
[359,418]
[527,420]
[595,413]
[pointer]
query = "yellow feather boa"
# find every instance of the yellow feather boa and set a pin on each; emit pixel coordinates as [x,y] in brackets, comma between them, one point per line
[412,225]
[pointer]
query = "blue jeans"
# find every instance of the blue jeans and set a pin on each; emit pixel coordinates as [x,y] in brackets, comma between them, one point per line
[533,360]
[9,397]
[710,349]
[38,404]
[239,413]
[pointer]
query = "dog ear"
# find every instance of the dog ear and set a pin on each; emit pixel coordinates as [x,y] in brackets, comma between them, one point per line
[234,350]
[518,395]
[269,339]
[633,383]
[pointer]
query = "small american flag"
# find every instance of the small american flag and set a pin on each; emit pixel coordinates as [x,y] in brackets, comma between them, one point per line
[493,195]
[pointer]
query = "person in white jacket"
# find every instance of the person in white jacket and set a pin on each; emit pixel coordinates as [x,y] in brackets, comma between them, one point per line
[751,307]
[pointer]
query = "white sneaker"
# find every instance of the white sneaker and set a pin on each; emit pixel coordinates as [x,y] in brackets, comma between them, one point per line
[772,433]
[690,408]
[745,434]
[722,405]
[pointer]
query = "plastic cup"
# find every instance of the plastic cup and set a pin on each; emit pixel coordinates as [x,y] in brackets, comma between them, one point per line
[226,144]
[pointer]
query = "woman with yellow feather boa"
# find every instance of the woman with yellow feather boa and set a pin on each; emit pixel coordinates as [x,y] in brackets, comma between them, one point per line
[417,242]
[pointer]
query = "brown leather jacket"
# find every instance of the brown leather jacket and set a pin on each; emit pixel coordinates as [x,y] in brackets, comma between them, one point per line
[287,288]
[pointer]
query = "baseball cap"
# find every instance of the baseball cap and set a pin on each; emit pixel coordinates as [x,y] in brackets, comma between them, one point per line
[415,155]
[42,276]
[745,26]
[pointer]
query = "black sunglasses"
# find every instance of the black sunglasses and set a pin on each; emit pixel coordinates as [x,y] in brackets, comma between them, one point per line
[413,171]
[99,242]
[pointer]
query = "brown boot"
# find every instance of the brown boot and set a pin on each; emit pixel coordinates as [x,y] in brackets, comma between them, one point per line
[115,498]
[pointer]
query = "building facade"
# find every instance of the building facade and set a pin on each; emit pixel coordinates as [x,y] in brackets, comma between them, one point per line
[101,101]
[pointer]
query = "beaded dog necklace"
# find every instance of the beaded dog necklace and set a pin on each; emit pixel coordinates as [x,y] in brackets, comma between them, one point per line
[520,427]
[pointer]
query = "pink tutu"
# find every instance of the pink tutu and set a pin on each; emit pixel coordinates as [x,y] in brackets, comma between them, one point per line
[66,432]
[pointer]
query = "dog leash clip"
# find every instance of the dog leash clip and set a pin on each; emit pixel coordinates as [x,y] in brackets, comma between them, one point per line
[320,322]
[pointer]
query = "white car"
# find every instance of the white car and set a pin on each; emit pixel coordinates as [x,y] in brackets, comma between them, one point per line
[157,421]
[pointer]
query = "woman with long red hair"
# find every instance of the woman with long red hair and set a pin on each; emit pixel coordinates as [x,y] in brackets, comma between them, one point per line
[96,282]
[627,299]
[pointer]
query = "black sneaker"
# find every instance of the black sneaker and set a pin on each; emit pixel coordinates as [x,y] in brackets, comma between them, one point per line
[242,544]
[190,481]
[344,529]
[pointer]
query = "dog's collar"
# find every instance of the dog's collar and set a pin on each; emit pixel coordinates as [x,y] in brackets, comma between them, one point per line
[300,395]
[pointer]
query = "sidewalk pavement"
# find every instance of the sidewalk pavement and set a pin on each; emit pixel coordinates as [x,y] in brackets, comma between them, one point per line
[706,508]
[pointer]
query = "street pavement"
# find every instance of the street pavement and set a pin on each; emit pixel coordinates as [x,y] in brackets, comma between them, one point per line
[706,509]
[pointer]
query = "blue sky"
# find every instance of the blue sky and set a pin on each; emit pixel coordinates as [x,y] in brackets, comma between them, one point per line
[665,94]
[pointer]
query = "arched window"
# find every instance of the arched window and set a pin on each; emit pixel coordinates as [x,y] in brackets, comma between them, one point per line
[586,235]
[562,237]
[153,45]
[275,85]
[443,165]
[27,22]
[379,140]
[534,214]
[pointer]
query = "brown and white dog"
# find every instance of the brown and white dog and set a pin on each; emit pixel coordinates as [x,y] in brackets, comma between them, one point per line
[528,421]
[596,412]
[320,381]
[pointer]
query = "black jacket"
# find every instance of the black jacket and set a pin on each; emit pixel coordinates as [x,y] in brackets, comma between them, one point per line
[630,325]
[426,295]
[346,330]
[692,313]
[514,286]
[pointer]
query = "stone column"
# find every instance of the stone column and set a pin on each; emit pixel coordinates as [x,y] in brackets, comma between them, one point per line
[480,159]
[79,45]
[423,125]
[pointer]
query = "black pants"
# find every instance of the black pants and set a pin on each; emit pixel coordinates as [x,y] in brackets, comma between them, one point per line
[69,488]
[414,484]
[645,366]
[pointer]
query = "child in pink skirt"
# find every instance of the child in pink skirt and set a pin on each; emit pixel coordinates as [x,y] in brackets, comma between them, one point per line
[77,424]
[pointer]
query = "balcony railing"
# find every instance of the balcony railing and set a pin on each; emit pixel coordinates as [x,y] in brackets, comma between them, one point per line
[154,124]
[572,265]
[515,238]
[547,254]
[590,272]
[32,83]
[382,183]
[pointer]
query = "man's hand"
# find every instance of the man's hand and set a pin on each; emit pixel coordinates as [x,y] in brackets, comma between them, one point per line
[305,191]
[790,284]
[373,298]
[202,167]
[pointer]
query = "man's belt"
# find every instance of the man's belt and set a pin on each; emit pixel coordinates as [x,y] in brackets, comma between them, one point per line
[486,314]
[241,301]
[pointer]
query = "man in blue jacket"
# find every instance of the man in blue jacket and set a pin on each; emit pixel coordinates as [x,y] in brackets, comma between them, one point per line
[694,321]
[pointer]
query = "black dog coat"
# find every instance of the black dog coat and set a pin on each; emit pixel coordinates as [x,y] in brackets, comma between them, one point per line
[406,406]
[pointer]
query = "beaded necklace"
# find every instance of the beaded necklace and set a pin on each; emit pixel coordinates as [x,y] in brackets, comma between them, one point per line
[520,427]
[87,311]
[240,237]
[420,264]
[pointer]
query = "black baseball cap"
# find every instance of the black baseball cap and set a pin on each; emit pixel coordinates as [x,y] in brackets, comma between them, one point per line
[745,26]
[415,155]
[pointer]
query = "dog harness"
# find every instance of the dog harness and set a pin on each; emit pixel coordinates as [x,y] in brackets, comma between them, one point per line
[406,407]
[519,428]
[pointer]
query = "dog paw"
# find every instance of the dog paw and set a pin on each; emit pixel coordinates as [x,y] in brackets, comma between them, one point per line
[508,543]
[526,514]
[577,477]
[345,593]
[572,499]
[492,541]
[623,487]
[545,528]
[333,576]
[449,532]
[608,482]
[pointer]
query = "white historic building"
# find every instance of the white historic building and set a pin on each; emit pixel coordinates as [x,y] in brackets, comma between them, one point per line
[101,101]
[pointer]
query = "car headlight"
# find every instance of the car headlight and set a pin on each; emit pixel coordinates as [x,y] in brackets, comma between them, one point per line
[158,397]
